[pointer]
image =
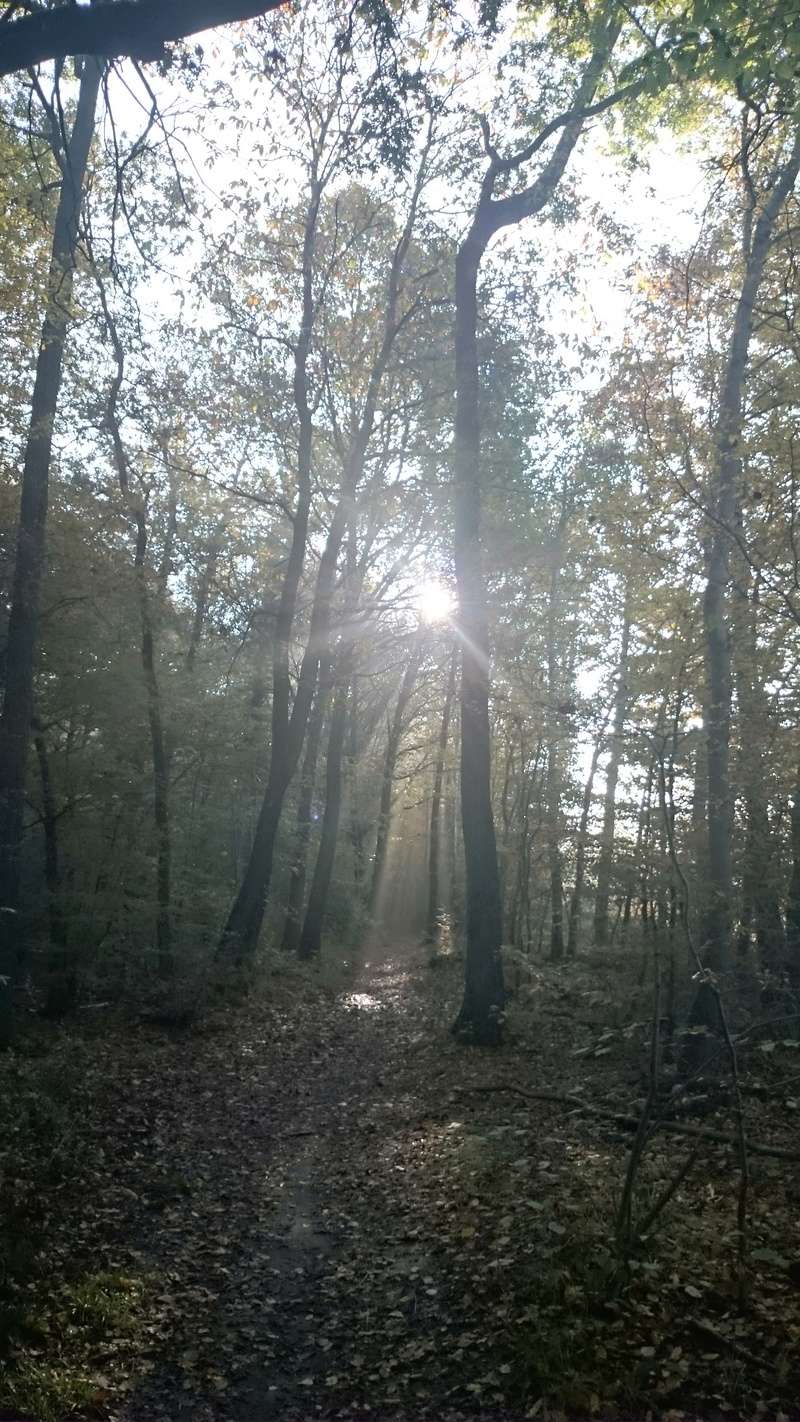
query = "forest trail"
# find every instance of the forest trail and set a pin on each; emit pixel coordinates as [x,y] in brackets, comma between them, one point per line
[306,1207]
[272,1226]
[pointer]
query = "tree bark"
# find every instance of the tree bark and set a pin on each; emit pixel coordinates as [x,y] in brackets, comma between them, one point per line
[479,1018]
[243,926]
[311,936]
[433,924]
[722,502]
[139,28]
[556,694]
[62,981]
[580,853]
[15,724]
[606,857]
[793,896]
[158,751]
[290,941]
[396,728]
[137,510]
[760,868]
[201,602]
[240,935]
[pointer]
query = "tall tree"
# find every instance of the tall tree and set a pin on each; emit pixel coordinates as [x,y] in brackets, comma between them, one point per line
[480,1015]
[761,213]
[17,713]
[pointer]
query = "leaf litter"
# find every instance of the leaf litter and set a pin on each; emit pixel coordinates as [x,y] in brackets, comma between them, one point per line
[306,1207]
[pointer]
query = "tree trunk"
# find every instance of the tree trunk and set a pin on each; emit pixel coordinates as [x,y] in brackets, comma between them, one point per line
[479,1018]
[580,855]
[290,941]
[357,827]
[760,871]
[605,860]
[62,982]
[201,602]
[433,924]
[242,929]
[484,997]
[15,724]
[311,935]
[160,758]
[396,729]
[722,501]
[793,897]
[555,691]
[243,925]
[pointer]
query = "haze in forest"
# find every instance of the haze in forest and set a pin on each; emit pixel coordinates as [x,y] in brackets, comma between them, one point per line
[399,788]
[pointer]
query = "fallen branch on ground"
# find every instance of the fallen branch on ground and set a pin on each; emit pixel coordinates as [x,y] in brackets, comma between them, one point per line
[631,1123]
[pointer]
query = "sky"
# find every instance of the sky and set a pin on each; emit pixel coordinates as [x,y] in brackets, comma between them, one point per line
[658,200]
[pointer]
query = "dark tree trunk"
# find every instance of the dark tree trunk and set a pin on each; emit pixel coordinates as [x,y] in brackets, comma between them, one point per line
[311,936]
[580,855]
[396,729]
[793,896]
[432,923]
[15,723]
[243,926]
[484,997]
[606,857]
[555,691]
[479,1018]
[137,510]
[760,868]
[160,758]
[62,981]
[201,602]
[722,501]
[290,941]
[357,828]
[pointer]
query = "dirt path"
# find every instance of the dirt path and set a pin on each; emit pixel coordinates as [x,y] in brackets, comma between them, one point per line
[262,1235]
[303,1208]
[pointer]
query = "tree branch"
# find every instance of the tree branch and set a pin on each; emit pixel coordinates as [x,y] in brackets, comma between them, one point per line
[139,28]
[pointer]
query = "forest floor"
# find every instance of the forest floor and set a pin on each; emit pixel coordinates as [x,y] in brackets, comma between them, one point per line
[310,1206]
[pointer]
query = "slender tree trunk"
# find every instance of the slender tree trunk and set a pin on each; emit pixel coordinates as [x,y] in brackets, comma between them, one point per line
[201,602]
[357,828]
[605,860]
[311,935]
[160,758]
[15,723]
[760,890]
[553,787]
[243,925]
[484,996]
[793,896]
[137,510]
[396,729]
[171,531]
[722,501]
[293,922]
[580,855]
[433,924]
[62,982]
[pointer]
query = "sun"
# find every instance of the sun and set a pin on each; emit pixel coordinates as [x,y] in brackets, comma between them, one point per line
[435,602]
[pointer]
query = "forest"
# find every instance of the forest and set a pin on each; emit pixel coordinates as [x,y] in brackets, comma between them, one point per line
[400,733]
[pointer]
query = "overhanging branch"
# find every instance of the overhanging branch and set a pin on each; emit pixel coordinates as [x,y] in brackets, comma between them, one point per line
[113,28]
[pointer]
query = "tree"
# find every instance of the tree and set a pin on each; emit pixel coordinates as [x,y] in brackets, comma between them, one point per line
[480,1014]
[17,713]
[109,28]
[760,217]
